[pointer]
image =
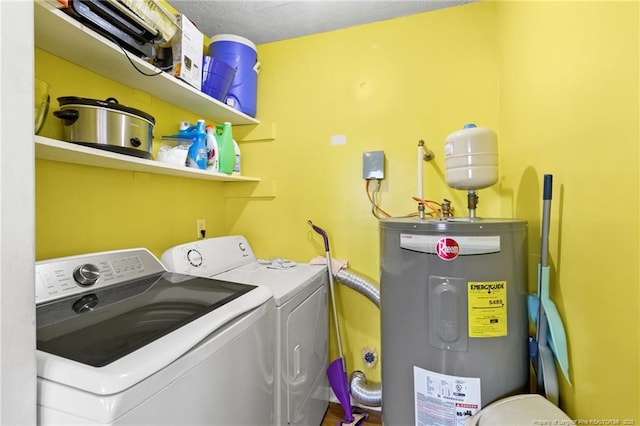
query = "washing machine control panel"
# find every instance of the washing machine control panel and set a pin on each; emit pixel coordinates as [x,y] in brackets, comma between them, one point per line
[57,278]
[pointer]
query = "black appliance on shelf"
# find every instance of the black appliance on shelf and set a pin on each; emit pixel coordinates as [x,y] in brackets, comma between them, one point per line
[116,22]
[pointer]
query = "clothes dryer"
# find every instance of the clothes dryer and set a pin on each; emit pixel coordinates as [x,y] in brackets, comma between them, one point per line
[300,294]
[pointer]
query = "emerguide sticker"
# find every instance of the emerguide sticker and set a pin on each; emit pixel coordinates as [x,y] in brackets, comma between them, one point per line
[487,308]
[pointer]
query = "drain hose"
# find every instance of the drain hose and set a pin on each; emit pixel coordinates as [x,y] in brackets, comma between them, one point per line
[365,393]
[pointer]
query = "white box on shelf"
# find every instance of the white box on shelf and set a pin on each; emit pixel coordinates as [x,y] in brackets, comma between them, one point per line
[187,46]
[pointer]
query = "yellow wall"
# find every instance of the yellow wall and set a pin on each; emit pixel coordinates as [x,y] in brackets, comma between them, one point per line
[384,86]
[569,106]
[557,81]
[83,209]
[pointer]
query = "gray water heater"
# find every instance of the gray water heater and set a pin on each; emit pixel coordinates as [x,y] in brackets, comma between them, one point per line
[453,304]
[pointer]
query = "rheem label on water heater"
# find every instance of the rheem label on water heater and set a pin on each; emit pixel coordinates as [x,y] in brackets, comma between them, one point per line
[449,247]
[487,304]
[443,400]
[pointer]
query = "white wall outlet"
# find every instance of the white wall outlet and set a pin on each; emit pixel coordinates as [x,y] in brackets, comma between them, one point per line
[338,139]
[201,226]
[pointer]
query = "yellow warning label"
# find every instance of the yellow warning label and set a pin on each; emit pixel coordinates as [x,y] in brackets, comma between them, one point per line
[487,304]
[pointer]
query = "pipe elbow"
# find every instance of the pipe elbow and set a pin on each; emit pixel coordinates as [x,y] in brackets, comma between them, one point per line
[369,394]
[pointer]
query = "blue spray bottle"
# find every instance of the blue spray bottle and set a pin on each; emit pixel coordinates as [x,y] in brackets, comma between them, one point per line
[197,156]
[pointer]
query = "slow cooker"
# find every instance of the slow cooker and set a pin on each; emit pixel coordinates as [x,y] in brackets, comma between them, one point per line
[106,125]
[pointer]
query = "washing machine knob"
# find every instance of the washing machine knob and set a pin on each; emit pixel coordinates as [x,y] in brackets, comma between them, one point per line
[85,303]
[86,274]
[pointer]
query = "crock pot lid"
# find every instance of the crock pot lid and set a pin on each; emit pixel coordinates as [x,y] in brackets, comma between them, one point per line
[110,103]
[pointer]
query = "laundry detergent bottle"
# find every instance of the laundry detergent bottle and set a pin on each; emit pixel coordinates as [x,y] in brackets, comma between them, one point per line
[227,153]
[197,155]
[212,149]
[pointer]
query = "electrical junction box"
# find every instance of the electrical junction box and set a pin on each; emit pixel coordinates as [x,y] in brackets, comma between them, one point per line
[373,165]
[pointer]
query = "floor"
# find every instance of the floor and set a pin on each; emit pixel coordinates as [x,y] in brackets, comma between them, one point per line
[335,413]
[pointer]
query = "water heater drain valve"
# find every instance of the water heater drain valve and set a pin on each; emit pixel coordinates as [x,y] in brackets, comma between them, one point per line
[369,356]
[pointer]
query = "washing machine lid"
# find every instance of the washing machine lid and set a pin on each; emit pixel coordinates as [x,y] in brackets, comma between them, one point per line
[105,338]
[112,349]
[284,283]
[127,317]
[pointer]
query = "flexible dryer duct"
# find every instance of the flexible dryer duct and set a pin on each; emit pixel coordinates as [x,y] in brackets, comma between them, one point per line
[363,392]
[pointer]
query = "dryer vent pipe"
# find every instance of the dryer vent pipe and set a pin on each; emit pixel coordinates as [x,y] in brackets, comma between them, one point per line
[365,393]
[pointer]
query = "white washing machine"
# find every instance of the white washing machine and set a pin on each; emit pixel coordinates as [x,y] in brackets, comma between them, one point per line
[121,341]
[300,294]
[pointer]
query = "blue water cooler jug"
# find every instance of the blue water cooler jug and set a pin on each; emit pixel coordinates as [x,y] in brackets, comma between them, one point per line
[241,54]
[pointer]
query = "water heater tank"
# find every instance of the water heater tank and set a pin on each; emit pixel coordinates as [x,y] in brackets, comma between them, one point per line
[454,327]
[471,158]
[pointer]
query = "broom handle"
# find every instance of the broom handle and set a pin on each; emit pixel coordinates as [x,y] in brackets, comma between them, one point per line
[546,213]
[333,305]
[331,287]
[544,262]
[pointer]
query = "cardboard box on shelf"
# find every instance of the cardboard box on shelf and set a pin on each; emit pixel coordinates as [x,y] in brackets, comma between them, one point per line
[187,48]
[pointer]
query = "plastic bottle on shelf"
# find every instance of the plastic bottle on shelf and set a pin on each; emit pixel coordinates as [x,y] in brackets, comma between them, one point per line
[212,149]
[197,156]
[236,166]
[227,157]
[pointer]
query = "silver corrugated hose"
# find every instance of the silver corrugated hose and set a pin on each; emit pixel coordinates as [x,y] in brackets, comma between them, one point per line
[359,284]
[365,393]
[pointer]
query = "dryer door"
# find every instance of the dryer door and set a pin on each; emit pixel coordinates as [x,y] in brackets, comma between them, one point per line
[307,390]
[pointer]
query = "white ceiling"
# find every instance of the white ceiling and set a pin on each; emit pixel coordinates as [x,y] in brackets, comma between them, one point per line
[271,20]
